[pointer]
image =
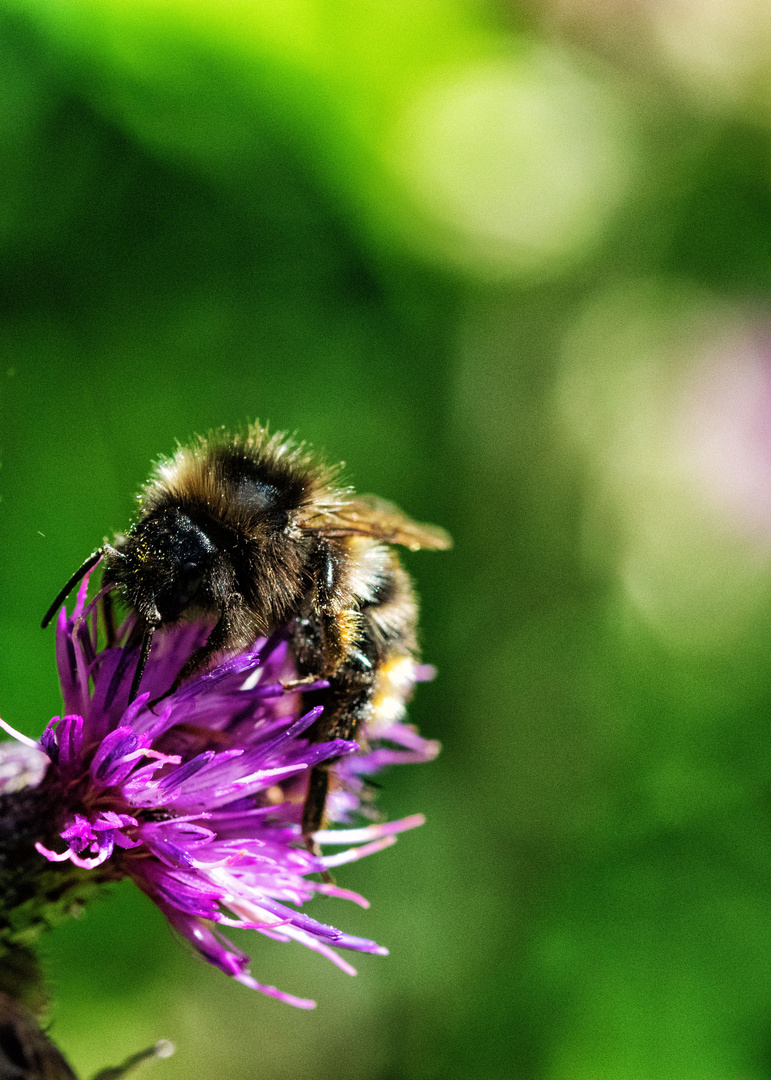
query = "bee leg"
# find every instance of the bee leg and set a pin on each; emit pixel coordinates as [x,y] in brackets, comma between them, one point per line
[108,615]
[147,640]
[217,639]
[338,629]
[315,801]
[295,684]
[126,656]
[313,813]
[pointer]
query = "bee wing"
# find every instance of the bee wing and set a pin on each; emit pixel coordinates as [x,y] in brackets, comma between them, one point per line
[367,515]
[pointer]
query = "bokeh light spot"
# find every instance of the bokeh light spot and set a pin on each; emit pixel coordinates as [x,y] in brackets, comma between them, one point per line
[515,164]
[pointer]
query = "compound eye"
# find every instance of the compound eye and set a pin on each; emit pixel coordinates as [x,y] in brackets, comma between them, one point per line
[189,581]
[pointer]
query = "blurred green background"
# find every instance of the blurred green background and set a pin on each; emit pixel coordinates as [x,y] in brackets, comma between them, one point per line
[511,262]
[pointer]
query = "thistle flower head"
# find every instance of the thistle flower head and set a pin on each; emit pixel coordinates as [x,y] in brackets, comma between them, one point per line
[198,799]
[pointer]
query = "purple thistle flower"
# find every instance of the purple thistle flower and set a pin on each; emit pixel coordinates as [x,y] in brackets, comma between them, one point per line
[200,801]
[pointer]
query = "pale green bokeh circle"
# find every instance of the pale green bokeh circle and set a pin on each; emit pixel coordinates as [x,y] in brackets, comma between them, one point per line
[514,165]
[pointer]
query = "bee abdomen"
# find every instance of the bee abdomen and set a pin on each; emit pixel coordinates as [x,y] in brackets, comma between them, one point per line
[391,618]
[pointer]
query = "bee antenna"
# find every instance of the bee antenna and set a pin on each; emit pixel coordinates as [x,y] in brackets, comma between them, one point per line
[79,574]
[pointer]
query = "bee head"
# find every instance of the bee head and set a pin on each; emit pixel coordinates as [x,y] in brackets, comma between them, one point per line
[163,566]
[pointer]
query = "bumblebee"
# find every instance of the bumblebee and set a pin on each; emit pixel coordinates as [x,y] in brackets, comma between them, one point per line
[27,1053]
[257,533]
